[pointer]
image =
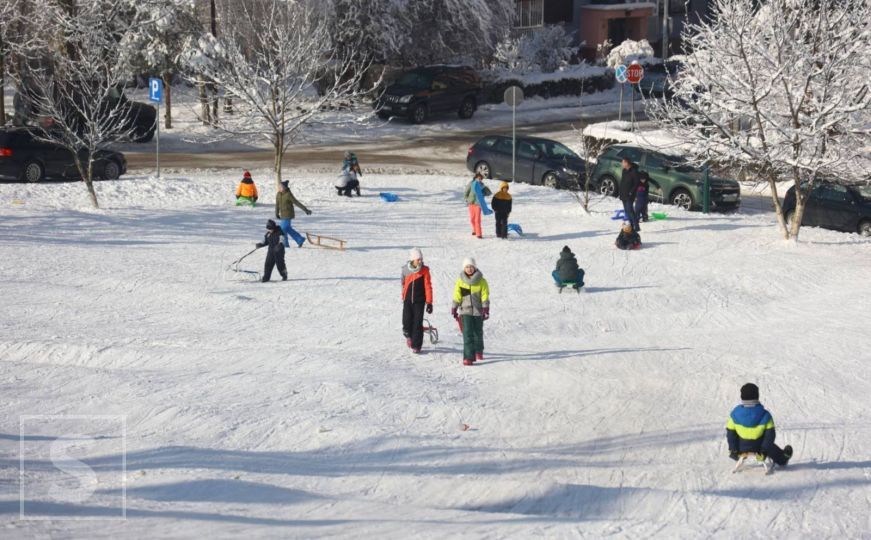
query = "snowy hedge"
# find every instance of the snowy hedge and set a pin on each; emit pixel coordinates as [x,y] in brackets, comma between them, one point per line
[594,81]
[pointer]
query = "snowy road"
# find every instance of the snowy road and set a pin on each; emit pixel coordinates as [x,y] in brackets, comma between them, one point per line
[295,410]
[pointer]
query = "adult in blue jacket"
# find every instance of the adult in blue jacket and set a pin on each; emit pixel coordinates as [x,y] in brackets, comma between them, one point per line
[751,429]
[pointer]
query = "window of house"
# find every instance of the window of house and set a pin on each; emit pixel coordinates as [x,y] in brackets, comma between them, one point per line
[528,13]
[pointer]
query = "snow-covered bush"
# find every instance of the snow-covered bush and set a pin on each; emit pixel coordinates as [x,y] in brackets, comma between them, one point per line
[543,50]
[602,51]
[629,51]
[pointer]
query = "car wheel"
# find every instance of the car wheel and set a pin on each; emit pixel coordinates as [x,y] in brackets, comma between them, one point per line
[33,172]
[550,180]
[865,228]
[608,186]
[467,109]
[418,114]
[111,170]
[483,168]
[682,198]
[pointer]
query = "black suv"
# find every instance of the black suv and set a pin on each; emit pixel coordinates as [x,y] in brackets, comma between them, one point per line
[830,206]
[139,119]
[424,91]
[24,157]
[538,161]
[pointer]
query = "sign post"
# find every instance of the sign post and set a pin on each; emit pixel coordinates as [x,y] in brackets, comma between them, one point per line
[634,74]
[513,96]
[155,94]
[620,75]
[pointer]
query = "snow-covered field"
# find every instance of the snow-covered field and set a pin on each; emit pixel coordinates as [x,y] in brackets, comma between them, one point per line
[294,409]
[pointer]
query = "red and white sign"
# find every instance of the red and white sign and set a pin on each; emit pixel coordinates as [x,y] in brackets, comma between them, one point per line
[634,73]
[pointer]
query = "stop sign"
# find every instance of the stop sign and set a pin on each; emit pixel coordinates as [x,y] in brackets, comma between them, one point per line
[634,73]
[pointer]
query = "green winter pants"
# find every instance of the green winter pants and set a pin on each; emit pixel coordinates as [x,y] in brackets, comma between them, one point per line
[473,336]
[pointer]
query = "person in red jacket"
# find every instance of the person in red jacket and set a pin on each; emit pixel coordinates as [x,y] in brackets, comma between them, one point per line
[416,296]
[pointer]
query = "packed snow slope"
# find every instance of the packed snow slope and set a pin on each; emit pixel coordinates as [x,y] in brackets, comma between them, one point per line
[294,409]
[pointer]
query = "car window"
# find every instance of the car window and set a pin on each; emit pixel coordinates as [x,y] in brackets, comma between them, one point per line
[439,84]
[486,142]
[864,192]
[504,145]
[634,154]
[655,162]
[415,79]
[833,193]
[526,150]
[554,149]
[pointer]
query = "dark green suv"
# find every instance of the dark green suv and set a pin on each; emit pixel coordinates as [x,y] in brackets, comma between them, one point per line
[672,180]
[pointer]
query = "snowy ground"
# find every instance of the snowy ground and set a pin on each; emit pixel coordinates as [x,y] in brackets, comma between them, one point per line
[295,410]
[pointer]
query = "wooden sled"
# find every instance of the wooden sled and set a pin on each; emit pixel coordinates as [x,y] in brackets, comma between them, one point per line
[746,458]
[327,242]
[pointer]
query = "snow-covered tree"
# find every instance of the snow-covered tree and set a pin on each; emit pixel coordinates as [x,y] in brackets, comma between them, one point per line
[544,50]
[779,87]
[74,74]
[629,51]
[277,61]
[157,47]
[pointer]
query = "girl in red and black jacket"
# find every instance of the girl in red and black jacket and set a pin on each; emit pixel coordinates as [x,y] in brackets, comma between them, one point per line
[416,295]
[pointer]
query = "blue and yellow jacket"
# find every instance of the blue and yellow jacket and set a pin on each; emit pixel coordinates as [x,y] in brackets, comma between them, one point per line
[750,429]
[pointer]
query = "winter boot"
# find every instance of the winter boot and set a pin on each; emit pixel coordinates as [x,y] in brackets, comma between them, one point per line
[415,351]
[467,362]
[408,342]
[479,356]
[283,277]
[787,453]
[357,189]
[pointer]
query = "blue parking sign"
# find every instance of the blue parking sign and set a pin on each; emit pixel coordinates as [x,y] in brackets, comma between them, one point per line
[155,89]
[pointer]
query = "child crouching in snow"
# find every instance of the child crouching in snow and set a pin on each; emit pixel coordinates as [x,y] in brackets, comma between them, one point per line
[273,242]
[416,293]
[750,429]
[472,304]
[567,270]
[628,239]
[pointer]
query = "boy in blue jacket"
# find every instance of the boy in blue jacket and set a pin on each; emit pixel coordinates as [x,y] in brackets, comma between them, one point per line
[751,429]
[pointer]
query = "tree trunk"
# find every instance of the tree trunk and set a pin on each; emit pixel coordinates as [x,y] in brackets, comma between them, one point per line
[87,177]
[167,91]
[778,210]
[797,215]
[213,90]
[204,101]
[278,140]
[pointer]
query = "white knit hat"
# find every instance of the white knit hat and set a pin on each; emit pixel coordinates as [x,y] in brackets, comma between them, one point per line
[469,261]
[415,254]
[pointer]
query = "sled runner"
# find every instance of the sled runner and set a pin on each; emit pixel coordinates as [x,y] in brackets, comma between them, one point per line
[619,215]
[234,273]
[571,284]
[431,330]
[327,242]
[516,228]
[744,457]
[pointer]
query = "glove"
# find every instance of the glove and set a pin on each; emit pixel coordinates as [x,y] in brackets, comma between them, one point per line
[259,245]
[429,308]
[485,312]
[308,212]
[454,313]
[733,455]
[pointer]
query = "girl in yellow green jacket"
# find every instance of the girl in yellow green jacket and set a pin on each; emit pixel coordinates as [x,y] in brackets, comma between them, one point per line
[472,303]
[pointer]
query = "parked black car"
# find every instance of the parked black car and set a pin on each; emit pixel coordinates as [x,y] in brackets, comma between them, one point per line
[539,161]
[425,91]
[24,157]
[830,206]
[138,119]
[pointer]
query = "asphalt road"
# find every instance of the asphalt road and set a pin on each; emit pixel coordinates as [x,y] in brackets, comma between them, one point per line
[442,153]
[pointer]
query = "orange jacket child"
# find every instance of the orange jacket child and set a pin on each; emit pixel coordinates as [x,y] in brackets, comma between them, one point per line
[416,295]
[246,192]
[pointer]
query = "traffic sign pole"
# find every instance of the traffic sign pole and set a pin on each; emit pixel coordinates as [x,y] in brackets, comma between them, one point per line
[620,113]
[513,96]
[620,74]
[155,94]
[157,140]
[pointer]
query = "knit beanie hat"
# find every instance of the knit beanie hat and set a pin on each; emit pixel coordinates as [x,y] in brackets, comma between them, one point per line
[566,249]
[469,261]
[286,183]
[415,254]
[246,174]
[270,225]
[749,392]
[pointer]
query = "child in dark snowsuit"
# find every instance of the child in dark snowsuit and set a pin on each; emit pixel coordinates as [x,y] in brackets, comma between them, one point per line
[567,270]
[750,429]
[416,294]
[641,196]
[628,239]
[501,205]
[274,251]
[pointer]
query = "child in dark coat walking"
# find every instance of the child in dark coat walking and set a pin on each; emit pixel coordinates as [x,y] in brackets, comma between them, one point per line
[501,204]
[750,429]
[416,294]
[641,196]
[274,252]
[628,239]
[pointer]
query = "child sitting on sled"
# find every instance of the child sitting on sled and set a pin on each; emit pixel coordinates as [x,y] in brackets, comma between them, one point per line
[274,251]
[750,429]
[567,272]
[246,192]
[628,239]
